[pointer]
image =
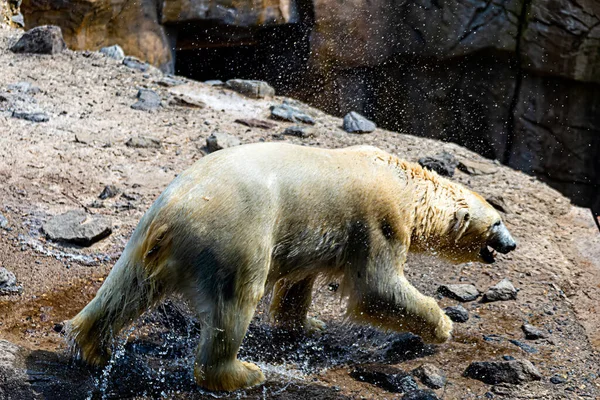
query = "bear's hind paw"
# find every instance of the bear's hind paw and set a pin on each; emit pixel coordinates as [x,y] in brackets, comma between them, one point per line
[229,377]
[314,325]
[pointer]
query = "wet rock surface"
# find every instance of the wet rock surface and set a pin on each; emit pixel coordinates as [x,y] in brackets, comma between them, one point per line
[407,346]
[78,227]
[420,394]
[391,381]
[442,163]
[356,123]
[457,313]
[460,291]
[14,380]
[45,39]
[495,372]
[502,291]
[430,376]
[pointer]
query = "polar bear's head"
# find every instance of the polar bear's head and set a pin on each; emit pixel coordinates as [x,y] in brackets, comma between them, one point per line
[478,232]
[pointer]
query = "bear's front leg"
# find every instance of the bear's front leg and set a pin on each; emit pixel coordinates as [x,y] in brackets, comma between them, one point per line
[382,297]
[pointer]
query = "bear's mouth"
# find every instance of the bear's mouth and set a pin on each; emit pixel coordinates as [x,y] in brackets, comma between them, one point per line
[488,256]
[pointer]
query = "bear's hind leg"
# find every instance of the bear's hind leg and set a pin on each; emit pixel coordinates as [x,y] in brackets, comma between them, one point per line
[290,304]
[217,367]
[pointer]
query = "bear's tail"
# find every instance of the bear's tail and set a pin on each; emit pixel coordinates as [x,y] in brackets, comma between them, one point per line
[133,285]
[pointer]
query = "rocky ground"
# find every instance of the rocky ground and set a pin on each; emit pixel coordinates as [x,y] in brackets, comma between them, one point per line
[89,136]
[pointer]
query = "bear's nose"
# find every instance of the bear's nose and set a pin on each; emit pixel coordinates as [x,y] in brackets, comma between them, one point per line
[511,246]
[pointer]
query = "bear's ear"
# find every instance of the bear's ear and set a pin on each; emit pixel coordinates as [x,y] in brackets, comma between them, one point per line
[463,218]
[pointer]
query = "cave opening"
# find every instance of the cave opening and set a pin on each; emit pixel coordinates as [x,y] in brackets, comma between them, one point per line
[278,54]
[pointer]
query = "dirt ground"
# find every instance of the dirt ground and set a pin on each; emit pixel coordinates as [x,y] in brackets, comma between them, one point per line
[50,167]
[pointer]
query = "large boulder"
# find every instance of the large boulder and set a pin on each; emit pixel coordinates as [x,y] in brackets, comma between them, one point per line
[92,24]
[45,39]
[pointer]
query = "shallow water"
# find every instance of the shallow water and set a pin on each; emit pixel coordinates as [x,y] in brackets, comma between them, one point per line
[156,361]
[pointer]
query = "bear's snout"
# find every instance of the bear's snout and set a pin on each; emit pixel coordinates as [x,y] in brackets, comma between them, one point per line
[501,240]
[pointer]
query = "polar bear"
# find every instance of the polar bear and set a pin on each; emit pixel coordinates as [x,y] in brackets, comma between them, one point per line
[269,216]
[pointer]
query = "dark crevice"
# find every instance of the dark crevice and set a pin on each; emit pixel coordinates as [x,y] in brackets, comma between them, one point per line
[596,216]
[510,125]
[552,24]
[472,29]
[575,4]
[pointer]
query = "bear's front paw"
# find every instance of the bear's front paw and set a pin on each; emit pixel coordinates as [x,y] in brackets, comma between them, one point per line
[443,331]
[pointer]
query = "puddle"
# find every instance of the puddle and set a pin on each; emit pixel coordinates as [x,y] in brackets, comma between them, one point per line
[154,359]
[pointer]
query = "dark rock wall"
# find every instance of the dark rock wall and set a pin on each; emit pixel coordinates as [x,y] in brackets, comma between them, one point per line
[557,135]
[562,38]
[513,80]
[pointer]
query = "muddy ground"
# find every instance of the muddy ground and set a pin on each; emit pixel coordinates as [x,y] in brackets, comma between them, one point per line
[50,167]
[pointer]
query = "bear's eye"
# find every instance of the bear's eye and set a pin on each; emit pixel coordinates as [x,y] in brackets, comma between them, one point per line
[496,224]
